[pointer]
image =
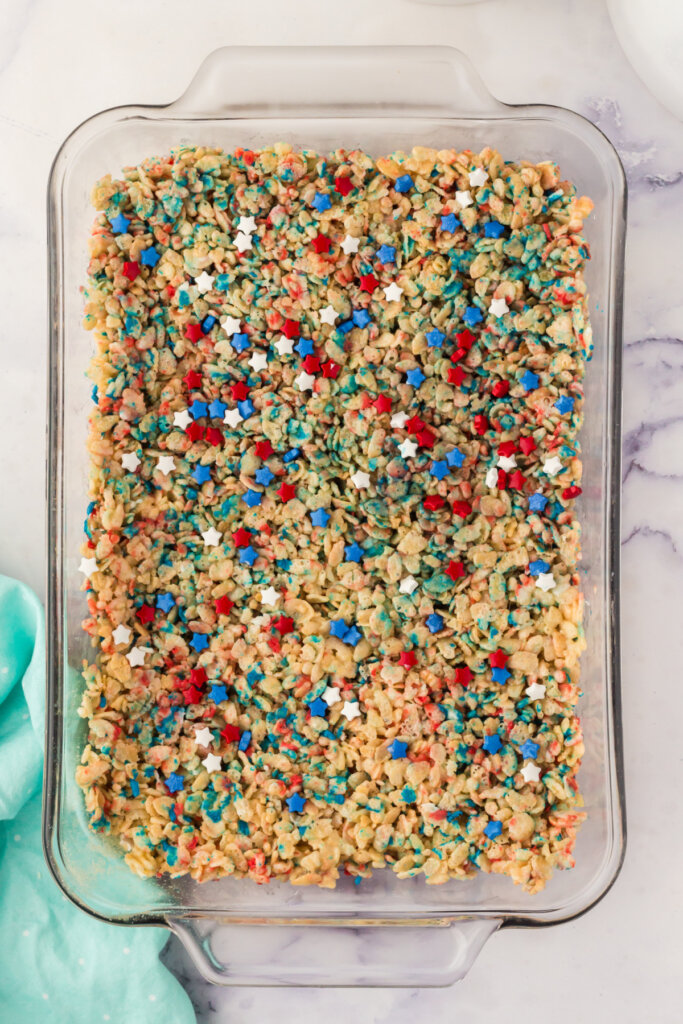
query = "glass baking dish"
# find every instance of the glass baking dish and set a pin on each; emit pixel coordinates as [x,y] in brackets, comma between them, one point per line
[387,931]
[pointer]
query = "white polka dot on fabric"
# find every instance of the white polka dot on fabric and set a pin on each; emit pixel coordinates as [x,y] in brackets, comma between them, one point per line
[45,995]
[126,950]
[17,838]
[25,932]
[81,961]
[152,999]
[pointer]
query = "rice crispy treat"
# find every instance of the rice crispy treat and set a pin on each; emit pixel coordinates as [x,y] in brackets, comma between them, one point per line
[331,550]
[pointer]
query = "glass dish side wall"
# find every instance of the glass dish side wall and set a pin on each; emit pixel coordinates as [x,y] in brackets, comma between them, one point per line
[426,96]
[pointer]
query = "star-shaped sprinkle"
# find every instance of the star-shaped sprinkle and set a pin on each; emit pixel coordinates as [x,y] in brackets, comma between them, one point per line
[545,581]
[204,282]
[305,381]
[463,198]
[360,480]
[408,585]
[535,691]
[284,625]
[286,491]
[321,244]
[407,659]
[529,380]
[321,202]
[529,749]
[217,409]
[449,222]
[218,693]
[149,257]
[552,466]
[386,254]
[192,379]
[136,656]
[456,570]
[404,183]
[248,555]
[538,566]
[407,448]
[211,537]
[537,502]
[174,783]
[165,464]
[212,763]
[478,177]
[165,602]
[296,803]
[121,635]
[392,292]
[318,707]
[500,675]
[328,315]
[119,224]
[434,623]
[223,605]
[498,307]
[231,325]
[493,829]
[435,338]
[145,614]
[199,642]
[455,458]
[270,597]
[472,315]
[182,419]
[353,552]
[531,772]
[564,404]
[491,478]
[197,409]
[415,377]
[353,636]
[439,469]
[493,229]
[263,476]
[130,461]
[232,417]
[398,749]
[338,628]
[507,462]
[200,474]
[399,420]
[88,566]
[252,498]
[203,737]
[331,695]
[350,710]
[368,283]
[350,244]
[259,361]
[242,241]
[320,517]
[245,740]
[492,743]
[247,225]
[240,342]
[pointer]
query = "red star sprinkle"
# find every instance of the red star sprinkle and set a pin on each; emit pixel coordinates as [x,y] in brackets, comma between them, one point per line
[224,605]
[455,570]
[527,444]
[498,659]
[192,695]
[194,332]
[230,733]
[368,283]
[284,625]
[290,329]
[407,659]
[192,379]
[465,339]
[500,389]
[459,354]
[456,375]
[507,448]
[516,481]
[214,436]
[286,491]
[462,509]
[463,675]
[198,676]
[434,502]
[321,243]
[330,368]
[131,270]
[502,480]
[571,492]
[195,431]
[426,438]
[241,537]
[145,613]
[382,403]
[263,449]
[415,424]
[481,424]
[311,364]
[239,391]
[343,184]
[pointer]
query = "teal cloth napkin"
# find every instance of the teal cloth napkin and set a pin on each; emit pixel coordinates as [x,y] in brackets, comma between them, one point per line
[57,964]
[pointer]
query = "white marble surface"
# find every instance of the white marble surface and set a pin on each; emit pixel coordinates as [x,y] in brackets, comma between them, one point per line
[60,62]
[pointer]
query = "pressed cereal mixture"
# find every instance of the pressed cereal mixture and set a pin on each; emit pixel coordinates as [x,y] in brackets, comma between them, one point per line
[331,554]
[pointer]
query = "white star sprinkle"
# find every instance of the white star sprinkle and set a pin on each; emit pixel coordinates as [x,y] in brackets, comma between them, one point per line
[408,585]
[399,419]
[270,597]
[204,282]
[531,772]
[203,736]
[231,325]
[284,345]
[165,464]
[351,710]
[259,361]
[130,461]
[331,695]
[360,480]
[211,537]
[328,315]
[121,635]
[545,581]
[136,656]
[408,448]
[498,307]
[232,417]
[552,466]
[247,225]
[212,763]
[305,381]
[392,292]
[535,691]
[507,462]
[242,242]
[492,477]
[182,419]
[88,566]
[350,244]
[463,199]
[478,177]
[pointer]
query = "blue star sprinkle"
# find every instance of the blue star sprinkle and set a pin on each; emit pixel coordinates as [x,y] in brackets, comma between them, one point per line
[455,458]
[493,229]
[197,409]
[200,642]
[493,829]
[492,743]
[439,469]
[537,502]
[404,183]
[245,408]
[218,693]
[345,327]
[500,675]
[240,342]
[472,316]
[217,409]
[319,517]
[296,803]
[415,377]
[538,566]
[386,254]
[200,474]
[291,455]
[352,636]
[449,222]
[338,628]
[149,257]
[360,317]
[434,623]
[175,783]
[564,404]
[318,707]
[529,381]
[529,749]
[435,339]
[245,740]
[248,556]
[119,224]
[207,323]
[263,476]
[397,749]
[252,498]
[165,602]
[305,347]
[353,552]
[321,202]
